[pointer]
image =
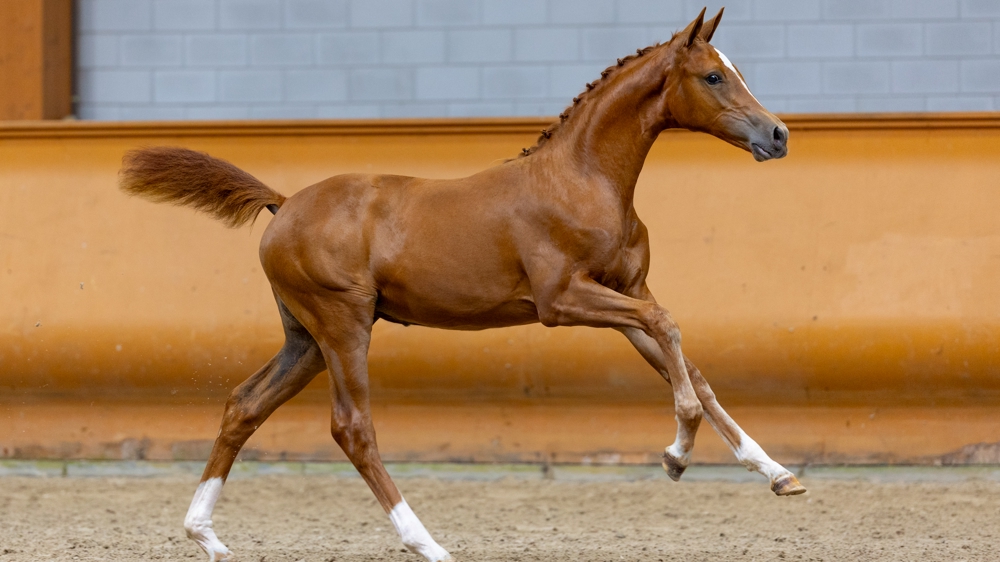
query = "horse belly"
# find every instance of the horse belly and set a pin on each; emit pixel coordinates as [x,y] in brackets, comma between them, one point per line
[455,300]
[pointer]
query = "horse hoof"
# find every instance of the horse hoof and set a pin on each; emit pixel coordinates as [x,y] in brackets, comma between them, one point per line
[673,466]
[787,485]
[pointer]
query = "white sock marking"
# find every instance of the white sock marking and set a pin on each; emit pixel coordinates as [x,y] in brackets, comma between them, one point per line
[198,521]
[729,65]
[678,453]
[752,456]
[414,535]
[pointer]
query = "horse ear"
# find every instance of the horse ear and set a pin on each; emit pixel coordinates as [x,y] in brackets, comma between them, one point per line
[691,31]
[708,30]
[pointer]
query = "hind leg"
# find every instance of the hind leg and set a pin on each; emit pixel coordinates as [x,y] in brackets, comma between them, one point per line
[281,378]
[343,330]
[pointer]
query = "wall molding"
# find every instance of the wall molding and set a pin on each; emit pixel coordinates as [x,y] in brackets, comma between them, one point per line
[451,126]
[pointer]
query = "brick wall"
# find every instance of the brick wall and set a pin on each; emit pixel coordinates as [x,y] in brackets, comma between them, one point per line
[237,59]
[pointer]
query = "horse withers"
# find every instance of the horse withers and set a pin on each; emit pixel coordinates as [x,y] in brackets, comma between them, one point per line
[551,236]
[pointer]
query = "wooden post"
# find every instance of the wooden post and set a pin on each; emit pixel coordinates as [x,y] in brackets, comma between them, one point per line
[36,59]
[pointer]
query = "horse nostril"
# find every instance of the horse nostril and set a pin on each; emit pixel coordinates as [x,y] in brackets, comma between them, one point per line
[780,136]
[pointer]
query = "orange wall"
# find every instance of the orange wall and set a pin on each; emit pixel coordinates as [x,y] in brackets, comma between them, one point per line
[36,59]
[861,269]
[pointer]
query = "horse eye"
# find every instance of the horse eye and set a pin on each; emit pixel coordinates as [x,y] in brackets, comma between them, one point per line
[713,79]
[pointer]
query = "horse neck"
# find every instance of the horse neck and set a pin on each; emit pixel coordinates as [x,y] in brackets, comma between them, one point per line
[609,133]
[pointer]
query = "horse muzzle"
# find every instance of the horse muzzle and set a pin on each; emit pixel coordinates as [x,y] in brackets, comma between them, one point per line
[770,146]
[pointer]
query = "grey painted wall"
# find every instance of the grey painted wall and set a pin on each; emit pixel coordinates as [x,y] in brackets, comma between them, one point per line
[235,59]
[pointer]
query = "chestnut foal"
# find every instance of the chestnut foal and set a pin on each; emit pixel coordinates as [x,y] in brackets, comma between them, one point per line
[549,237]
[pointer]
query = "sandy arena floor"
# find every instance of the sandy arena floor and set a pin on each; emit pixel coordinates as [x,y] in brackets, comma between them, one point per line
[335,518]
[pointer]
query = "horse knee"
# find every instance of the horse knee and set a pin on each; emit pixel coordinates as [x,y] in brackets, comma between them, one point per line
[690,410]
[673,335]
[661,326]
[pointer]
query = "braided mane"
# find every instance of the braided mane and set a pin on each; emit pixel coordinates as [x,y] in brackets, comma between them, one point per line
[613,69]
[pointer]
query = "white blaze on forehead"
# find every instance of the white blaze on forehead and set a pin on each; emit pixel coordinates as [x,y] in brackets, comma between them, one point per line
[729,65]
[414,535]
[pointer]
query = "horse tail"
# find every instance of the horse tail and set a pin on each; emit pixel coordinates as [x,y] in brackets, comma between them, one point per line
[186,177]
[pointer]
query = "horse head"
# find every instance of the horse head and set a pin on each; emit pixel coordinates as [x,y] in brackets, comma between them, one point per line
[704,91]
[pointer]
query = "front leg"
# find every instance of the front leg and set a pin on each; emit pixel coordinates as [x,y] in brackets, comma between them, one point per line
[747,451]
[581,301]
